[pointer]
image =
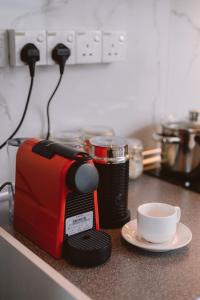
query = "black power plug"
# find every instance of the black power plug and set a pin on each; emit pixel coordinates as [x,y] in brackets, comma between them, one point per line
[30,54]
[60,55]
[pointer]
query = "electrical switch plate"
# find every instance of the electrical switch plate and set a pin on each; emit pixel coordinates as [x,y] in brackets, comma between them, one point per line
[88,47]
[19,38]
[114,46]
[65,37]
[3,48]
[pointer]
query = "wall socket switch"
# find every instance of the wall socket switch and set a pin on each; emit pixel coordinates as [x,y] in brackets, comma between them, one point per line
[3,48]
[18,38]
[113,46]
[65,37]
[88,47]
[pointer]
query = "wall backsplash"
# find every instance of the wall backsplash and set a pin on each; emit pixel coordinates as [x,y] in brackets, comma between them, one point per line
[159,77]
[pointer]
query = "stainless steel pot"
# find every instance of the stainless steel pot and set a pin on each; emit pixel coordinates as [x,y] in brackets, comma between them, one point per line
[180,144]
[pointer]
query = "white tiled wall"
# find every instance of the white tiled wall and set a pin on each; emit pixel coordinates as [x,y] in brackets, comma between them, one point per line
[160,75]
[183,91]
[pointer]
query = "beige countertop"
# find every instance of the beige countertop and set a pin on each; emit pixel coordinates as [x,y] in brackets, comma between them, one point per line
[132,273]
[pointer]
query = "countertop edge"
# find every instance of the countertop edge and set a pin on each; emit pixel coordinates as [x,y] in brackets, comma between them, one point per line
[62,281]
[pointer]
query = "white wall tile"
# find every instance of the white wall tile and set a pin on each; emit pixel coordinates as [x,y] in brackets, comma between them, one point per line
[184,58]
[128,96]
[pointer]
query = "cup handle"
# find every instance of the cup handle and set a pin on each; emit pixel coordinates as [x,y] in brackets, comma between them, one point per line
[178,213]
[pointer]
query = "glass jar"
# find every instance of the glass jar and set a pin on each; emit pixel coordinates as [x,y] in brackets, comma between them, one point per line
[12,147]
[95,130]
[72,138]
[135,148]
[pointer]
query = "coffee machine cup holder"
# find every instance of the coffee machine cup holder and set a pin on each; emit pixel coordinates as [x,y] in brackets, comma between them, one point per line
[87,249]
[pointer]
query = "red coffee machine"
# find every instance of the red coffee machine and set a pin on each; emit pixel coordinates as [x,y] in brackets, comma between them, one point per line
[56,202]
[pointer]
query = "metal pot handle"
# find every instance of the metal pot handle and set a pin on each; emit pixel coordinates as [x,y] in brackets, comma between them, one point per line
[159,137]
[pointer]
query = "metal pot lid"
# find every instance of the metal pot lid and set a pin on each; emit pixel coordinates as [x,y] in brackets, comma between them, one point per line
[175,127]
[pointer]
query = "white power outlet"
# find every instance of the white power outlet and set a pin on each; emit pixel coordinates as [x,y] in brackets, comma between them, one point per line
[3,48]
[65,37]
[114,46]
[88,47]
[17,39]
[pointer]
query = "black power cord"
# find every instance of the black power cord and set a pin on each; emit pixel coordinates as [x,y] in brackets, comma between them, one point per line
[30,55]
[48,106]
[6,184]
[22,118]
[60,55]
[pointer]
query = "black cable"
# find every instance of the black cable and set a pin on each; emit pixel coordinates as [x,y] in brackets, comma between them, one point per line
[48,106]
[23,116]
[5,184]
[60,55]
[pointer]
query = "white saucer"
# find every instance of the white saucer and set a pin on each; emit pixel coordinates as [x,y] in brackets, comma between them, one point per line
[182,238]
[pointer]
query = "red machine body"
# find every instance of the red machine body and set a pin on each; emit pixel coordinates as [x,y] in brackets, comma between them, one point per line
[41,197]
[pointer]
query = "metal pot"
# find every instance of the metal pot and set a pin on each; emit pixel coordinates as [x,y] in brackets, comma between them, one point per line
[180,145]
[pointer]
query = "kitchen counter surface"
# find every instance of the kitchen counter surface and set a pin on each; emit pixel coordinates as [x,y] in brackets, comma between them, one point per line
[132,273]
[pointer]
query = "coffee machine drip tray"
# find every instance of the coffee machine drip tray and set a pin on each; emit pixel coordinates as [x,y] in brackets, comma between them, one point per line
[187,181]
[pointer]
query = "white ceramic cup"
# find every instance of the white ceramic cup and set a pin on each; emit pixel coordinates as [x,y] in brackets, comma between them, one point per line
[157,222]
